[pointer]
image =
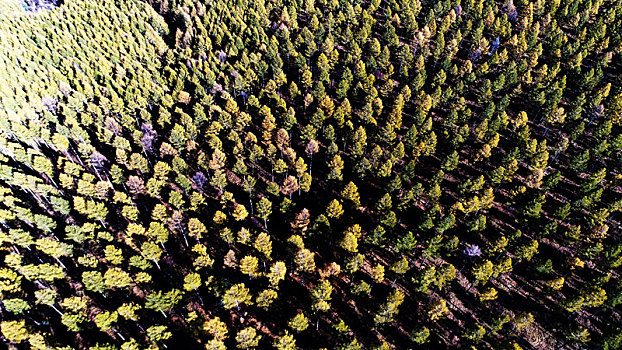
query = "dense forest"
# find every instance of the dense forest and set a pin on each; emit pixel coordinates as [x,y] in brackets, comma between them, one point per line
[311,174]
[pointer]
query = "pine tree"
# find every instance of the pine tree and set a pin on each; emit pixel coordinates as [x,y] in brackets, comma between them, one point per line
[264,209]
[390,308]
[321,296]
[336,165]
[301,220]
[290,185]
[334,209]
[192,281]
[247,338]
[265,298]
[482,271]
[14,331]
[263,244]
[350,192]
[277,273]
[196,228]
[235,296]
[158,333]
[437,309]
[285,342]
[216,328]
[239,212]
[151,251]
[349,242]
[248,266]
[305,261]
[106,320]
[377,273]
[163,301]
[299,323]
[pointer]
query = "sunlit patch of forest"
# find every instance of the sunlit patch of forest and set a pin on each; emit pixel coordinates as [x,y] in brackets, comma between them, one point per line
[10,7]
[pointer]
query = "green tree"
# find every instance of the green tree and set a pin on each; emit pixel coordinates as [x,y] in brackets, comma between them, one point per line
[321,296]
[474,333]
[528,250]
[151,251]
[105,321]
[93,281]
[420,335]
[113,255]
[482,271]
[10,281]
[336,166]
[390,308]
[488,294]
[158,333]
[16,305]
[196,228]
[163,301]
